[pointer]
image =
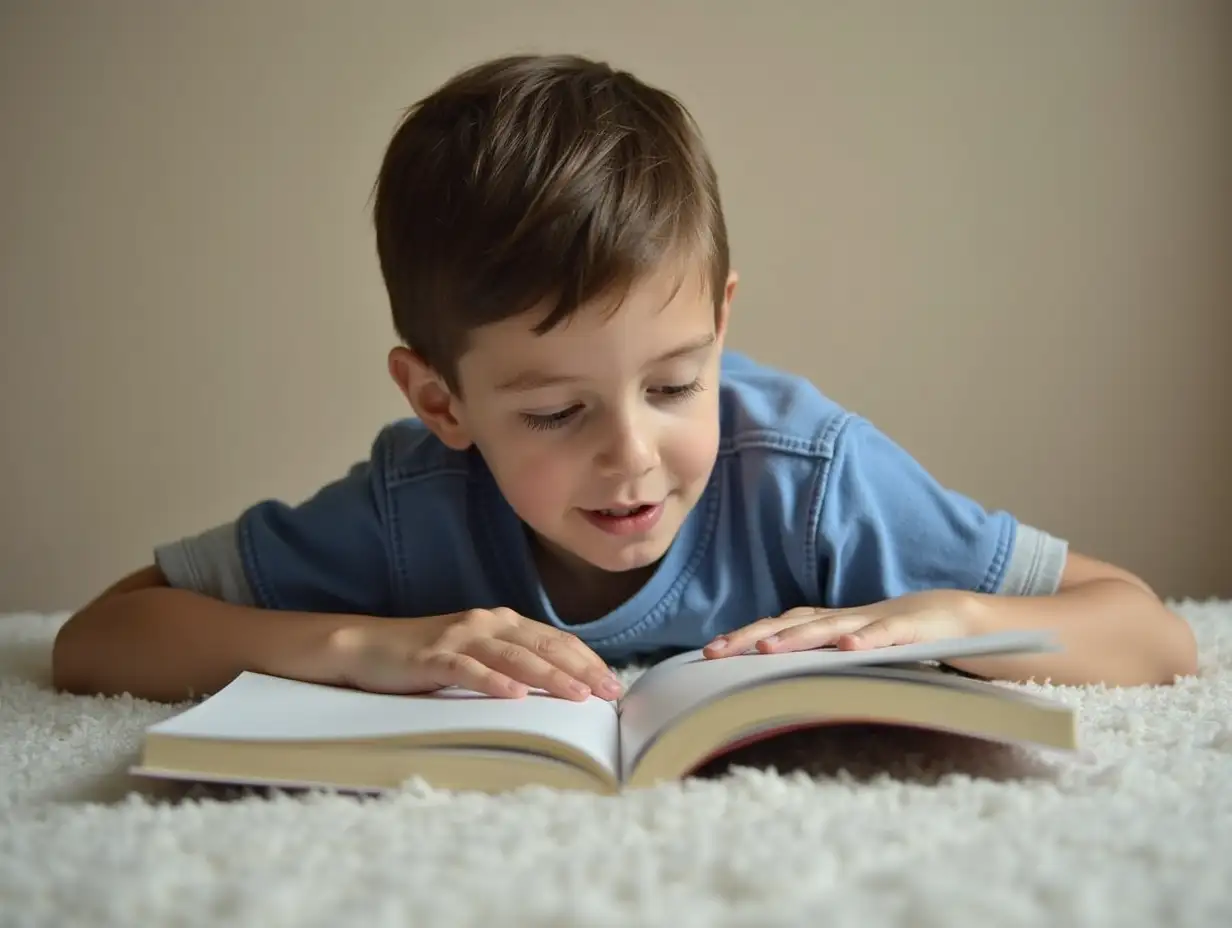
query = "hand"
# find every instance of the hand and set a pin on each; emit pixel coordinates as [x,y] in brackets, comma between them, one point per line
[925,616]
[496,652]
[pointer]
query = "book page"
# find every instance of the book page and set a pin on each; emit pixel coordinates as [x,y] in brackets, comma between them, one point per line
[674,687]
[265,708]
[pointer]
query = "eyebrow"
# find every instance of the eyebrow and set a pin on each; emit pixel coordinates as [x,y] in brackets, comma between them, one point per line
[535,380]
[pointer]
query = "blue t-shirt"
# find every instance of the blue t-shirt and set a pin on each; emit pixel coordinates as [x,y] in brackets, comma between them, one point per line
[808,504]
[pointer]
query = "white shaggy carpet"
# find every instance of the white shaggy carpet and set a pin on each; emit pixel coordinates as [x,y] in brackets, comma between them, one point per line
[1137,832]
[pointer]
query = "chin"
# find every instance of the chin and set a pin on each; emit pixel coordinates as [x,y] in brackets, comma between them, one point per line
[642,556]
[634,556]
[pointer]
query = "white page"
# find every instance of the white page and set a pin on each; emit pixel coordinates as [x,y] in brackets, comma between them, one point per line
[673,687]
[265,708]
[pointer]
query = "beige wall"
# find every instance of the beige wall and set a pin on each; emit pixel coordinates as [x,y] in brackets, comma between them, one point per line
[1001,230]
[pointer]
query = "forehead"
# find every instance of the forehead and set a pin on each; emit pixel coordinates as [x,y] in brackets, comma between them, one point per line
[656,315]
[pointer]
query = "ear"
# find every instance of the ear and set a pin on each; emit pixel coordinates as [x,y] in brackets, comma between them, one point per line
[434,403]
[729,294]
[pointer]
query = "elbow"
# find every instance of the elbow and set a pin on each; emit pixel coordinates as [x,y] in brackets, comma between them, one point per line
[1182,649]
[67,668]
[1170,652]
[1173,648]
[76,657]
[1164,649]
[78,654]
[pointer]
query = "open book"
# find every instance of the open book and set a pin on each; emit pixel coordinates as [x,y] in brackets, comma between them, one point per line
[676,717]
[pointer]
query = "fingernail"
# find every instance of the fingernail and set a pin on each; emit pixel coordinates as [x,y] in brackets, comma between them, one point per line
[718,644]
[580,689]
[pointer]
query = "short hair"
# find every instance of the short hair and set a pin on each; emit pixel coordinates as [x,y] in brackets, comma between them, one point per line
[537,179]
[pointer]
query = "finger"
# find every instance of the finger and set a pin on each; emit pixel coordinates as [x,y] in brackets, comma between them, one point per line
[742,639]
[449,668]
[556,646]
[560,647]
[882,634]
[567,653]
[524,665]
[815,634]
[596,673]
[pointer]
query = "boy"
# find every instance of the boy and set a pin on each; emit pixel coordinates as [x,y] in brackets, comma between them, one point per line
[590,478]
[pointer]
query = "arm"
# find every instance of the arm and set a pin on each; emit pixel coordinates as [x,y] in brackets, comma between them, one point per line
[898,545]
[1112,627]
[265,593]
[145,638]
[154,642]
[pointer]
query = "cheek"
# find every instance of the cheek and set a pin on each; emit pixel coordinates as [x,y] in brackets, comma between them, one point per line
[690,448]
[535,478]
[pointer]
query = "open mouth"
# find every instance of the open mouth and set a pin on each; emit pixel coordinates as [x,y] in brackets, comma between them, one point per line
[626,520]
[625,512]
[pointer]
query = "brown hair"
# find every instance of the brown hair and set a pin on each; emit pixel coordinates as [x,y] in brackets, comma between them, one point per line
[534,178]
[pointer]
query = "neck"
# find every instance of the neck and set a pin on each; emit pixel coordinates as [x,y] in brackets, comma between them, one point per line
[580,592]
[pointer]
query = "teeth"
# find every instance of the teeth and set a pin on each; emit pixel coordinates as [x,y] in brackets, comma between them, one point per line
[620,512]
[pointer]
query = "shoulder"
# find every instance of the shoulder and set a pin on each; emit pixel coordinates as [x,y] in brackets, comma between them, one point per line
[763,408]
[406,451]
[779,436]
[853,516]
[359,542]
[409,466]
[405,459]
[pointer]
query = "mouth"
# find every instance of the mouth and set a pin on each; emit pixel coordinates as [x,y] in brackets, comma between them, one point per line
[634,519]
[620,512]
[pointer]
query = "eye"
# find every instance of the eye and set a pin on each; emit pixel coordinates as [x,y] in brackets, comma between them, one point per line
[679,391]
[552,420]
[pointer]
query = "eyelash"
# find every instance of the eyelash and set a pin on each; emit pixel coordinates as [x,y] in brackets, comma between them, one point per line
[555,420]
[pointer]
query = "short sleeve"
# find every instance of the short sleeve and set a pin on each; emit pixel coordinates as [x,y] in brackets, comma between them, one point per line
[329,553]
[885,527]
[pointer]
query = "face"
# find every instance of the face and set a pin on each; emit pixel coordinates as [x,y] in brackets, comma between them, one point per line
[603,432]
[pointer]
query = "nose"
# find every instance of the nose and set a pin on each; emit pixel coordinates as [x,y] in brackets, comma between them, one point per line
[630,450]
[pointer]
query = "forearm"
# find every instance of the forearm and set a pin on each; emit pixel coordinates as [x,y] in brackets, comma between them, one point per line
[1111,631]
[168,645]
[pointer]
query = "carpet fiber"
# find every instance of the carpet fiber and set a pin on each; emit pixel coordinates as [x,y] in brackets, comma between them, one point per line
[854,827]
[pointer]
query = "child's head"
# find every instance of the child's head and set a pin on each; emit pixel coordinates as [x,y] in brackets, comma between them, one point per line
[552,240]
